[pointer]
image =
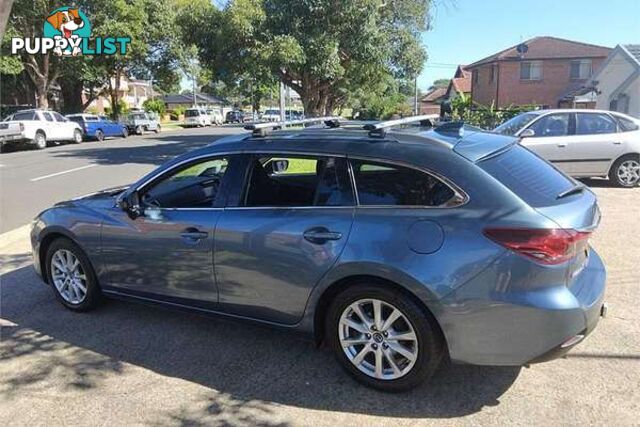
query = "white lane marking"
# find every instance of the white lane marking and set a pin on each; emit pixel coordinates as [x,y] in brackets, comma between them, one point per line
[62,173]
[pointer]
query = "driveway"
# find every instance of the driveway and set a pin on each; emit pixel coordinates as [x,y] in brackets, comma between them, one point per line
[134,364]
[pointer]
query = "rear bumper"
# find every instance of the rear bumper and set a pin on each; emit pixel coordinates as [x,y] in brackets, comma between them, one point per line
[507,327]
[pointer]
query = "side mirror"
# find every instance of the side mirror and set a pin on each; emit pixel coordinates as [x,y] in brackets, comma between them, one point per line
[527,133]
[280,166]
[130,203]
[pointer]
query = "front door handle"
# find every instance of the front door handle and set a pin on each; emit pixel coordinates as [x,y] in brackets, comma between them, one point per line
[617,142]
[193,234]
[320,235]
[562,144]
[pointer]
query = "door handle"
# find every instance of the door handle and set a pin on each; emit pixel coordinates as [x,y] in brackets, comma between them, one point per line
[320,235]
[617,142]
[562,144]
[193,234]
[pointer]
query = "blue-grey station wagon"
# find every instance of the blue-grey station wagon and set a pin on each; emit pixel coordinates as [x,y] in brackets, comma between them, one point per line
[393,244]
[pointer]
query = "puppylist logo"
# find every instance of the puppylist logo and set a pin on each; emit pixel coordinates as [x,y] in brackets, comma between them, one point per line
[67,32]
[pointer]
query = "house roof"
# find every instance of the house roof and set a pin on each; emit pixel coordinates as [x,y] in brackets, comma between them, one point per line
[461,81]
[435,95]
[633,51]
[546,47]
[187,98]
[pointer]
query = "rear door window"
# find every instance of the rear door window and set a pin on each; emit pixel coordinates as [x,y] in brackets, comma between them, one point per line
[48,117]
[552,125]
[298,181]
[593,124]
[380,184]
[30,115]
[626,125]
[531,178]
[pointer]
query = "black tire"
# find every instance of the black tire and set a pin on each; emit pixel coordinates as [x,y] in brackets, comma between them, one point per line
[40,140]
[99,135]
[157,129]
[615,174]
[139,130]
[77,136]
[430,344]
[93,295]
[125,132]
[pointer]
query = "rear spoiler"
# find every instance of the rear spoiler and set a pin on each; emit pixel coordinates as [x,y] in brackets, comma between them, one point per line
[477,145]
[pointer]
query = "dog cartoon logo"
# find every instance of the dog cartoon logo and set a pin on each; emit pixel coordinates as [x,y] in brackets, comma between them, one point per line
[69,23]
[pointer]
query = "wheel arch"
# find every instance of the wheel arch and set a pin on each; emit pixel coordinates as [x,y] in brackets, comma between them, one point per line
[622,156]
[333,289]
[49,237]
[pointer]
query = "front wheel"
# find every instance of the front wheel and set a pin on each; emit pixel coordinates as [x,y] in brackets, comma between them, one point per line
[125,132]
[626,172]
[382,337]
[99,135]
[157,129]
[139,130]
[71,275]
[77,136]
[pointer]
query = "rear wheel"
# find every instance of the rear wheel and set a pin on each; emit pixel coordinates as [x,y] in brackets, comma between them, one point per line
[382,337]
[99,135]
[71,276]
[626,171]
[77,136]
[157,129]
[139,130]
[40,140]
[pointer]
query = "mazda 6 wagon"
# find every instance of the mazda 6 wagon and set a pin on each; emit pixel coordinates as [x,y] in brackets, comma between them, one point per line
[395,246]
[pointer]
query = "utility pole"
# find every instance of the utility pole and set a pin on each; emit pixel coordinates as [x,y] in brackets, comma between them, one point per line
[415,100]
[282,102]
[193,78]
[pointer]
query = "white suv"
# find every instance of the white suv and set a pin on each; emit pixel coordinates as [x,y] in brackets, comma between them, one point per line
[196,117]
[36,127]
[582,143]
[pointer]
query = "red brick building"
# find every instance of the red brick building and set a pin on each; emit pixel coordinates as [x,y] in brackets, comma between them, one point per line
[541,71]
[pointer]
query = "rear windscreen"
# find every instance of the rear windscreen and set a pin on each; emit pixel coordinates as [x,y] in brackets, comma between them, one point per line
[532,179]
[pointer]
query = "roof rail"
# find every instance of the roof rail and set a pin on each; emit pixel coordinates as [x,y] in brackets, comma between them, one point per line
[379,129]
[263,129]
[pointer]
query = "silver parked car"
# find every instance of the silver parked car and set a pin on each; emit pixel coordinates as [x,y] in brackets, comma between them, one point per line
[583,143]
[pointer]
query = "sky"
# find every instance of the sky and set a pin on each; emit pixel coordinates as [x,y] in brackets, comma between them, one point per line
[464,31]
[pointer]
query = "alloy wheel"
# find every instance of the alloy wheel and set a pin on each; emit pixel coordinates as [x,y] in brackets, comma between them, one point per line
[378,339]
[629,172]
[68,276]
[77,136]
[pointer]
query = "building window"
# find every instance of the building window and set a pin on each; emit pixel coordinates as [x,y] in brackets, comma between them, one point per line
[492,74]
[531,70]
[581,69]
[475,77]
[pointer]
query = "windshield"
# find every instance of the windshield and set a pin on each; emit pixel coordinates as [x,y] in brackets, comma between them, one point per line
[510,127]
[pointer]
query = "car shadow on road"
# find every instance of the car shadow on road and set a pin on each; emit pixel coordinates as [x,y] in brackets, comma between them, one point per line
[241,361]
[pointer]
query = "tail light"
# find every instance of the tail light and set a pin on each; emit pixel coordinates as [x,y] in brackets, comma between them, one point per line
[21,127]
[546,246]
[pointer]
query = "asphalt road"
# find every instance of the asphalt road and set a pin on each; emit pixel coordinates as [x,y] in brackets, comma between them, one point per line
[32,180]
[129,364]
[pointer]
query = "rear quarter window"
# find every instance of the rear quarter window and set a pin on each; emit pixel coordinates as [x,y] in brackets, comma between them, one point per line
[531,178]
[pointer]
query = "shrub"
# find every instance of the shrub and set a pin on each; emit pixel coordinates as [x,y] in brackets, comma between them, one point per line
[463,109]
[154,105]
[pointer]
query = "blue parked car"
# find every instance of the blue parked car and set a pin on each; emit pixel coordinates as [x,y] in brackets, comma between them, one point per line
[397,247]
[99,127]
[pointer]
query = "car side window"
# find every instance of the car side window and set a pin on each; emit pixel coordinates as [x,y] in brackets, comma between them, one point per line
[626,125]
[593,124]
[30,115]
[59,117]
[552,125]
[380,184]
[48,117]
[298,181]
[194,186]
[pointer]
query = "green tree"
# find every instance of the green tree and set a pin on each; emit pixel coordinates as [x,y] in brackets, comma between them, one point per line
[440,84]
[323,50]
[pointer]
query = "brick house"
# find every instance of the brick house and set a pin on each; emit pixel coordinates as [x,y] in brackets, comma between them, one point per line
[542,71]
[431,101]
[460,84]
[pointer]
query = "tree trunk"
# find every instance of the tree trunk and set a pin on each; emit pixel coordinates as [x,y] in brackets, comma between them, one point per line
[41,94]
[72,95]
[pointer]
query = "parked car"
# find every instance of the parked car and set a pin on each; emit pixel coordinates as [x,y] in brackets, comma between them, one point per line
[215,116]
[139,122]
[583,143]
[234,117]
[196,117]
[37,127]
[397,248]
[271,115]
[99,127]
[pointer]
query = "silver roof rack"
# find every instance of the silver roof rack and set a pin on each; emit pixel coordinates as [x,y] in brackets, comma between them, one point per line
[263,129]
[379,129]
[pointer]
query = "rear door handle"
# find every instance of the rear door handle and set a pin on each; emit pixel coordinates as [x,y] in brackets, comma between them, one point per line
[321,235]
[617,142]
[193,234]
[562,144]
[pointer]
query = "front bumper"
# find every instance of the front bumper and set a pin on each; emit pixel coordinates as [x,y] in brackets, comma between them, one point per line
[517,328]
